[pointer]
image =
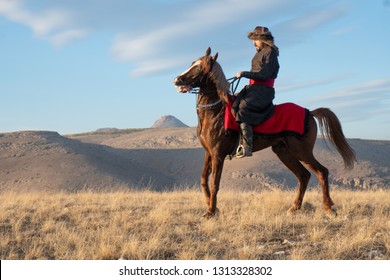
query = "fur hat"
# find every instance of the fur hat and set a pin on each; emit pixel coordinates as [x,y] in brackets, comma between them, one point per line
[263,34]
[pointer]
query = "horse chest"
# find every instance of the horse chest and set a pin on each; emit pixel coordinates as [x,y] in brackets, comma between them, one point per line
[209,138]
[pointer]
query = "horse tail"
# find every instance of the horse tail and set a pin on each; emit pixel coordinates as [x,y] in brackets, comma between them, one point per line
[330,127]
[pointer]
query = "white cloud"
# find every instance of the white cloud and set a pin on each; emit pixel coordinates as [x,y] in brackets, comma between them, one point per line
[343,30]
[375,88]
[54,25]
[311,83]
[145,67]
[297,29]
[358,102]
[200,22]
[67,36]
[159,29]
[129,47]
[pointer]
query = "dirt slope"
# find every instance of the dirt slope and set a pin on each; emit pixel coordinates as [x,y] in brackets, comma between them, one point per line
[161,158]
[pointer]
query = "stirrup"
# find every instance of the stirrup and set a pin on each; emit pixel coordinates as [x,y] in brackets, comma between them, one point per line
[242,152]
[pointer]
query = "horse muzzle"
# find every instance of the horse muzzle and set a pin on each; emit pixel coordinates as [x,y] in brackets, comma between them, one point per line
[180,85]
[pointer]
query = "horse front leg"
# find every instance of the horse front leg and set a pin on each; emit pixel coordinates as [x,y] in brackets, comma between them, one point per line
[204,179]
[216,173]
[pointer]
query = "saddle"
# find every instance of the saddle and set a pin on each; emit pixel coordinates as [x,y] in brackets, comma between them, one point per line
[288,118]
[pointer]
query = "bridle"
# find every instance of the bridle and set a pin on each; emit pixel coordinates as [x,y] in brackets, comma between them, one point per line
[208,106]
[196,90]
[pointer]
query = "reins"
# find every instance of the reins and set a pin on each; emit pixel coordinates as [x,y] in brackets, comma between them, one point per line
[234,82]
[233,87]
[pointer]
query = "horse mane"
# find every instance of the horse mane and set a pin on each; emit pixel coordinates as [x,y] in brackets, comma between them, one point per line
[218,77]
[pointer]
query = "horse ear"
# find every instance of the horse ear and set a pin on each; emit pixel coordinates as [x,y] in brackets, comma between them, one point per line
[215,57]
[208,52]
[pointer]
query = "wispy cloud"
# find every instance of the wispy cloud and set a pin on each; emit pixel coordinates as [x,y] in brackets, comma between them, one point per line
[150,33]
[375,88]
[205,20]
[67,36]
[145,66]
[54,25]
[297,29]
[200,21]
[358,102]
[311,83]
[343,30]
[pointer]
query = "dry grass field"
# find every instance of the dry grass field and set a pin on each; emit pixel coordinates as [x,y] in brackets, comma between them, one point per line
[168,225]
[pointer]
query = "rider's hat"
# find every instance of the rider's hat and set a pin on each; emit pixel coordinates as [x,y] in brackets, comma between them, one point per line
[260,33]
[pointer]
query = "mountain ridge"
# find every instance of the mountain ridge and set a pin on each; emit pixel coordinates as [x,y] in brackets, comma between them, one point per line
[163,159]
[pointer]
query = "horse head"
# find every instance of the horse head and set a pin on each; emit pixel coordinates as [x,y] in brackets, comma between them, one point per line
[196,75]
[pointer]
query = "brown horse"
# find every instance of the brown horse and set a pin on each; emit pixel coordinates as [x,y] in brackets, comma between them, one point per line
[207,75]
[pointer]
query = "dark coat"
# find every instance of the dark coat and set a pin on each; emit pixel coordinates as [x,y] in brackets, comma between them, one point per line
[253,104]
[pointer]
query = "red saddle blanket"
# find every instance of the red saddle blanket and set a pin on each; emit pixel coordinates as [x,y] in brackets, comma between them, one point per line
[287,118]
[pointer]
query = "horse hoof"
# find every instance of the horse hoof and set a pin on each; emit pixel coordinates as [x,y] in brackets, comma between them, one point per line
[210,214]
[290,212]
[293,209]
[330,213]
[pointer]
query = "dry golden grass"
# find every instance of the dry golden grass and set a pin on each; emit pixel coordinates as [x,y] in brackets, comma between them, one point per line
[168,225]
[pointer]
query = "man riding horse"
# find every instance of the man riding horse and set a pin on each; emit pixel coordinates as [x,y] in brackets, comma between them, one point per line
[254,103]
[293,147]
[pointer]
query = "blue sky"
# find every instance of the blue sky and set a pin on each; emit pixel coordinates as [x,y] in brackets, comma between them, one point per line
[74,66]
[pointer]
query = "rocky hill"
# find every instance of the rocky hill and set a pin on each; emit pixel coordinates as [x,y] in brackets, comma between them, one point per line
[168,122]
[162,159]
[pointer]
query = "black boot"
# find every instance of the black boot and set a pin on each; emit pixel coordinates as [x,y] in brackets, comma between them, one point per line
[246,147]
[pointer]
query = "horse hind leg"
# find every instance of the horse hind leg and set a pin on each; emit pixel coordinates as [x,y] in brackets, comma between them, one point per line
[299,171]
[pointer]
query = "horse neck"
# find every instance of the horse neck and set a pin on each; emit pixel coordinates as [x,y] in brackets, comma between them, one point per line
[213,116]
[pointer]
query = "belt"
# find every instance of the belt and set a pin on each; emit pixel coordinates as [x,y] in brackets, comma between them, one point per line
[267,83]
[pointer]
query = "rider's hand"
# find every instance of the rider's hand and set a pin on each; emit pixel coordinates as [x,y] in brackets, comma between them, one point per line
[238,75]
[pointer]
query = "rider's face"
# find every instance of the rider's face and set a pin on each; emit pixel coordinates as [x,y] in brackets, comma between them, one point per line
[258,44]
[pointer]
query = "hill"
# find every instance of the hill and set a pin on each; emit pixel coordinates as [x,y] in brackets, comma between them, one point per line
[162,159]
[167,122]
[47,161]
